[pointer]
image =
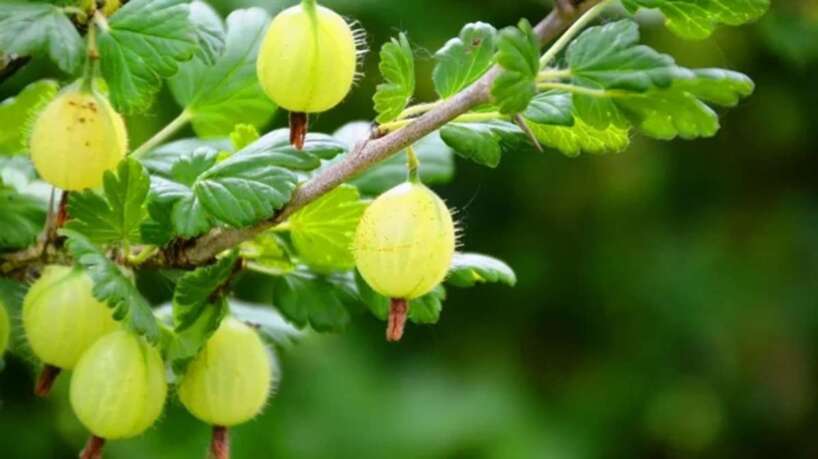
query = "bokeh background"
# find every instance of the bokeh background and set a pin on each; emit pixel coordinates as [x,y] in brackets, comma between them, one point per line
[667,304]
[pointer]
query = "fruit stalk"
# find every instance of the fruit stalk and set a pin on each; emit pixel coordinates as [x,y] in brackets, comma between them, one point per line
[299,125]
[220,444]
[398,311]
[46,380]
[93,448]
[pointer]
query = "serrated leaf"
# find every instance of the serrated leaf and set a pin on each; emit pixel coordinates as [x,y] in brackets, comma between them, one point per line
[227,93]
[581,137]
[113,287]
[198,289]
[144,42]
[469,269]
[518,54]
[271,324]
[423,310]
[483,143]
[322,232]
[183,344]
[266,254]
[209,30]
[117,216]
[245,188]
[717,86]
[276,146]
[463,60]
[243,135]
[161,159]
[40,29]
[398,69]
[305,298]
[696,19]
[22,219]
[609,57]
[551,107]
[436,166]
[18,112]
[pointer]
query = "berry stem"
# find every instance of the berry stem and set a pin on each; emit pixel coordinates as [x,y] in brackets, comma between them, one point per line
[299,125]
[398,311]
[46,379]
[220,443]
[93,448]
[177,123]
[412,164]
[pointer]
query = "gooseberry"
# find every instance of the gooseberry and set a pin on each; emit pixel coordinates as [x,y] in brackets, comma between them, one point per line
[61,319]
[118,387]
[307,59]
[76,138]
[229,380]
[403,247]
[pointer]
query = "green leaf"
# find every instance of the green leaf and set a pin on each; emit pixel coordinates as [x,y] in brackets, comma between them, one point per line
[277,148]
[398,69]
[269,322]
[40,29]
[18,113]
[113,287]
[305,298]
[717,86]
[518,53]
[266,254]
[423,310]
[161,159]
[469,269]
[198,289]
[144,42]
[551,107]
[209,30]
[322,232]
[245,188]
[22,219]
[174,208]
[226,93]
[436,166]
[183,344]
[609,57]
[118,216]
[463,60]
[696,19]
[572,140]
[483,143]
[243,135]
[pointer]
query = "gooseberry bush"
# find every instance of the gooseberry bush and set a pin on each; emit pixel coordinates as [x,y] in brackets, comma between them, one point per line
[339,223]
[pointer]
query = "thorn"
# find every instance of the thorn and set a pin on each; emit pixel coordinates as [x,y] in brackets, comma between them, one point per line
[299,125]
[93,449]
[518,119]
[398,311]
[220,443]
[46,380]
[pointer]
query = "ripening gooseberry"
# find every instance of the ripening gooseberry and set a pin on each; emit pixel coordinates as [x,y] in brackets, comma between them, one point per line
[76,138]
[5,328]
[228,382]
[61,317]
[403,247]
[308,58]
[118,388]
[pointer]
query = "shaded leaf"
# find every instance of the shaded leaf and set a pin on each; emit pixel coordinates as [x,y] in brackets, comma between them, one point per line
[518,54]
[22,219]
[40,29]
[551,107]
[305,298]
[483,143]
[462,60]
[209,30]
[18,113]
[696,19]
[469,269]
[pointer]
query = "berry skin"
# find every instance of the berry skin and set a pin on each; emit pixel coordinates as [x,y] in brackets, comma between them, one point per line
[308,58]
[229,381]
[405,242]
[76,138]
[61,317]
[118,388]
[5,328]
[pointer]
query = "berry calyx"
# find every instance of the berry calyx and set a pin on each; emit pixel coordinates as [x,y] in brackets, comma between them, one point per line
[229,380]
[76,138]
[118,388]
[62,319]
[403,247]
[307,60]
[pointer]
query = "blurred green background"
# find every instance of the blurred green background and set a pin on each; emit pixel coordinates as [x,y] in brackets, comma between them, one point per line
[667,303]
